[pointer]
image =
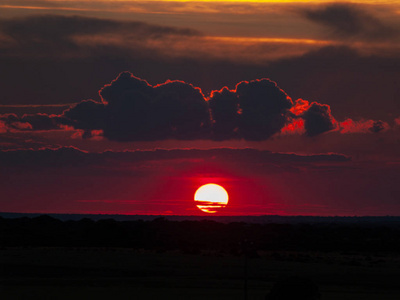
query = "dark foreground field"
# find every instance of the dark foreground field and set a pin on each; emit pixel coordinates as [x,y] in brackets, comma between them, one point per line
[44,258]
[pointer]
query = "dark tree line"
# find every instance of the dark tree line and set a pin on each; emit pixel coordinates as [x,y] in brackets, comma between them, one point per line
[195,236]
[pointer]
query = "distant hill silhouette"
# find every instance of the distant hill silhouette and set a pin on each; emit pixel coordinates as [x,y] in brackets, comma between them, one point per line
[260,219]
[161,234]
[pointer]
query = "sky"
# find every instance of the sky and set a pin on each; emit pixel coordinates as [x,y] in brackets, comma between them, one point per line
[127,107]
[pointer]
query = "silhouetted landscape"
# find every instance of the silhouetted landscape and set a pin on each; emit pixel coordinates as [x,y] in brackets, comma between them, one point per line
[330,258]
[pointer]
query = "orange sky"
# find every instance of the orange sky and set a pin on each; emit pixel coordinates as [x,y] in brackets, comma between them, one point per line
[252,31]
[179,6]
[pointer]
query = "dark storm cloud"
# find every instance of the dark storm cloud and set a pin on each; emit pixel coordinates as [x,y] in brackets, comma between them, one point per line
[318,119]
[132,110]
[224,106]
[349,21]
[182,107]
[135,110]
[263,108]
[255,110]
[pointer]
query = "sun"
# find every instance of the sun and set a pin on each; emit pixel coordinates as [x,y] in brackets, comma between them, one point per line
[211,197]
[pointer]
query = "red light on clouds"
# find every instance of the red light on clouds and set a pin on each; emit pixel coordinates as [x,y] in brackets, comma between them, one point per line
[363,126]
[295,127]
[300,107]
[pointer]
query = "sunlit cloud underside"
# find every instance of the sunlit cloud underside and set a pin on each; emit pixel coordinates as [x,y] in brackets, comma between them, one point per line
[210,207]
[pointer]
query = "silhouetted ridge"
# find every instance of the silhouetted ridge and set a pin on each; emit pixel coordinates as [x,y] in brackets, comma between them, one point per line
[161,234]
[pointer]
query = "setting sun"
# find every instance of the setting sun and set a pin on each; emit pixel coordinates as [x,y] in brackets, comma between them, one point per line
[211,197]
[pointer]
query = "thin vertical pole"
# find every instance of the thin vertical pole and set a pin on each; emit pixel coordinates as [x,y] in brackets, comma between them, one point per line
[245,275]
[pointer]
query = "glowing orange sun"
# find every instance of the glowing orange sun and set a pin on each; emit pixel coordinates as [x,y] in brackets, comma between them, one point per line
[211,197]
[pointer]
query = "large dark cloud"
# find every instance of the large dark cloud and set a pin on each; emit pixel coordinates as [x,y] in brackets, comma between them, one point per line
[135,110]
[318,119]
[182,109]
[263,108]
[255,110]
[350,21]
[224,106]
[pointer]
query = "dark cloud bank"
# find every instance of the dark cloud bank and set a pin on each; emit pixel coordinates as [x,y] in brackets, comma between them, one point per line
[71,156]
[133,110]
[44,61]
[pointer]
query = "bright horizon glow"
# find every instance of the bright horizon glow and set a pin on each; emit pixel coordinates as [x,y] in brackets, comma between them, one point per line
[211,197]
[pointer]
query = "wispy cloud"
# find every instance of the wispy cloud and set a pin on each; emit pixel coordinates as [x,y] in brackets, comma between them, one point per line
[351,22]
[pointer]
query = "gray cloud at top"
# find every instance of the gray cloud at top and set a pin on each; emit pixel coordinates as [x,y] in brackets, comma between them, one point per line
[351,21]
